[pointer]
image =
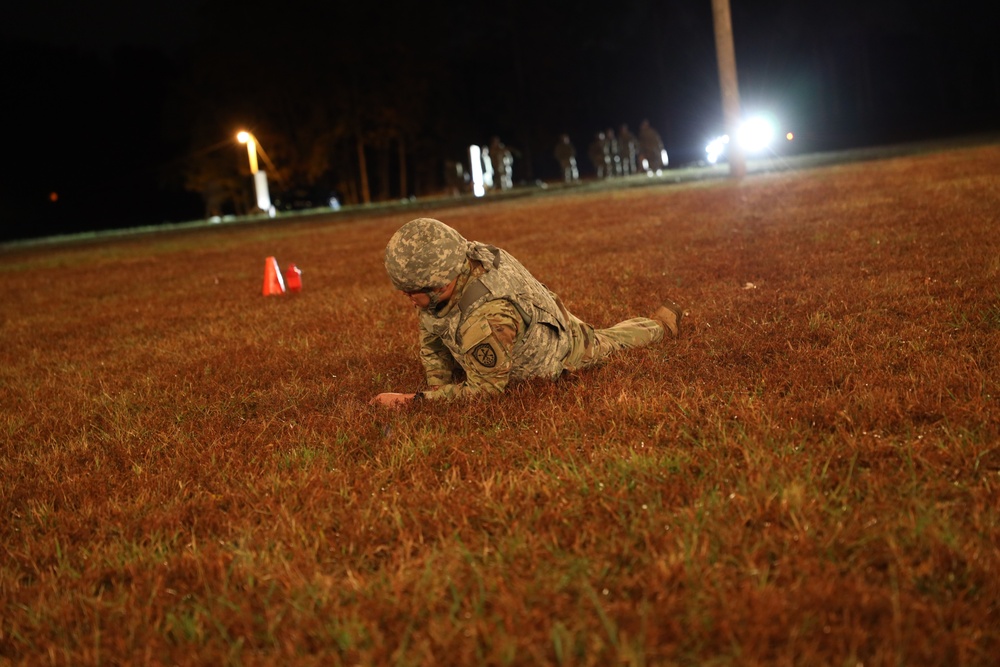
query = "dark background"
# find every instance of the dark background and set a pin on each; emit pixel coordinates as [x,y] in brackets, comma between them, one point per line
[128,112]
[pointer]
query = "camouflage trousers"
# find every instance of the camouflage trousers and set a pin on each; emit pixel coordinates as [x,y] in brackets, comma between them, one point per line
[593,346]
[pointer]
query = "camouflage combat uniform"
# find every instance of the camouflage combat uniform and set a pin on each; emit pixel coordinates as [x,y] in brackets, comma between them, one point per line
[500,324]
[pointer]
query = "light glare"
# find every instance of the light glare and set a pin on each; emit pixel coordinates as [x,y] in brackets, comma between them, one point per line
[716,147]
[755,134]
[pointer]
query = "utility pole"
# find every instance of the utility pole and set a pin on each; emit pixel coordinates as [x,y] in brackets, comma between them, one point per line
[726,55]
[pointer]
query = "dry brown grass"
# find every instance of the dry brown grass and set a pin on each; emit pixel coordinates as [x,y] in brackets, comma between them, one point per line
[810,476]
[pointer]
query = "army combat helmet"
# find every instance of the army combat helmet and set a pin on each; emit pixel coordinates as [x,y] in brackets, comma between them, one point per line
[424,254]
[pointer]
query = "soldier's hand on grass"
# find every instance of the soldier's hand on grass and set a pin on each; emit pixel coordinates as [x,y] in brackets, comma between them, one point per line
[392,400]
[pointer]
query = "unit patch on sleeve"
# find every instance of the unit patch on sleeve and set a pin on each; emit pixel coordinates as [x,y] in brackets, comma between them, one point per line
[485,355]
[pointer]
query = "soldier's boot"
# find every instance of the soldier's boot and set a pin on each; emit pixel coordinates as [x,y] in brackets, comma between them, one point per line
[669,315]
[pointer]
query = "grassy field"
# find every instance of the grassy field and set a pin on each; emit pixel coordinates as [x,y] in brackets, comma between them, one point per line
[810,475]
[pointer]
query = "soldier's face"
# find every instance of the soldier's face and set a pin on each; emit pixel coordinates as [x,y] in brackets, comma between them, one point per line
[422,299]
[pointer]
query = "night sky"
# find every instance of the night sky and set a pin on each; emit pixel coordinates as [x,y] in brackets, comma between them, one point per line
[122,114]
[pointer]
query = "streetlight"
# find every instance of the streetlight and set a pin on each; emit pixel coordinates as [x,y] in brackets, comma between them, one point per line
[259,177]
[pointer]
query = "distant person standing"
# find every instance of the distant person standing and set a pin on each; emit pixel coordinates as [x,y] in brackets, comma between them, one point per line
[486,164]
[651,148]
[598,155]
[611,151]
[503,165]
[628,148]
[454,177]
[565,154]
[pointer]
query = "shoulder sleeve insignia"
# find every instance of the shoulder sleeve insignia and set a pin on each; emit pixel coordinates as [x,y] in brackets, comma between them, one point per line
[485,355]
[473,332]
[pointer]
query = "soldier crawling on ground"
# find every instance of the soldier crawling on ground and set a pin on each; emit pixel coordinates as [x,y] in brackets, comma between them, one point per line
[484,316]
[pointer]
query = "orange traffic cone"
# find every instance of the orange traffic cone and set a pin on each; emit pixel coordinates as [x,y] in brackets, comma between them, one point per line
[293,278]
[273,284]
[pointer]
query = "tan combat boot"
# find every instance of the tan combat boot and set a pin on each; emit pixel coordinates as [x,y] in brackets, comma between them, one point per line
[669,315]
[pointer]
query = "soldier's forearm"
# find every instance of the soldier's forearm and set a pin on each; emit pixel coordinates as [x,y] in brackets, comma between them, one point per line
[438,369]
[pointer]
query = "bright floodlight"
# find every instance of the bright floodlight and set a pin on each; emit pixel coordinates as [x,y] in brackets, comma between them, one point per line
[242,137]
[716,147]
[755,134]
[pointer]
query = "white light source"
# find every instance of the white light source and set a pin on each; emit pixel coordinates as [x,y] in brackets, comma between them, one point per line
[715,148]
[755,134]
[476,160]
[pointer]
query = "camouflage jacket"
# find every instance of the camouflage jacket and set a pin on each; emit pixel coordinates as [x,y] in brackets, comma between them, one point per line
[501,325]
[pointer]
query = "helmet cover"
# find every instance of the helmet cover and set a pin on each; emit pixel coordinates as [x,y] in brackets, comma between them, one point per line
[424,254]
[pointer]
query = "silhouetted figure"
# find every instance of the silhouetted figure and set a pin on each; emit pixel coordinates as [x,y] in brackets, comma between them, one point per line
[611,150]
[651,149]
[503,165]
[565,154]
[628,149]
[454,177]
[487,167]
[597,152]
